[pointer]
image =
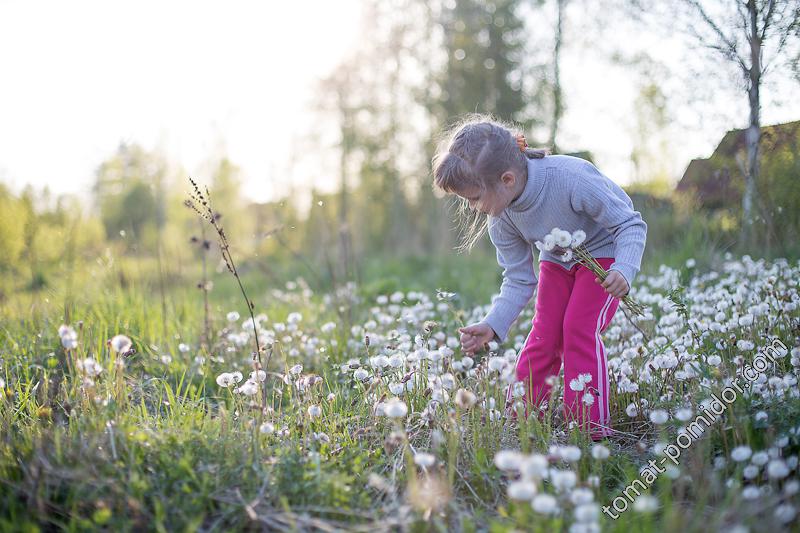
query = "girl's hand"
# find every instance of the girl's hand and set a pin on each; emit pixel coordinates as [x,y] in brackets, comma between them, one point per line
[615,284]
[474,337]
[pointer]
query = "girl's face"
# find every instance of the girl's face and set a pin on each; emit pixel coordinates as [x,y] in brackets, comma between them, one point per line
[490,200]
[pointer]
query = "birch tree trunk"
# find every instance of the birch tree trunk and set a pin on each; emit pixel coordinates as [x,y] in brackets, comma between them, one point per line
[753,134]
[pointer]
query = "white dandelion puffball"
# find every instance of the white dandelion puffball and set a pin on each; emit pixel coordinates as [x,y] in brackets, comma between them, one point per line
[261,376]
[233,316]
[745,345]
[588,398]
[544,504]
[581,496]
[566,257]
[569,454]
[741,453]
[508,460]
[90,367]
[549,242]
[497,363]
[576,384]
[360,374]
[69,338]
[600,452]
[534,466]
[523,490]
[249,388]
[225,379]
[760,458]
[659,416]
[578,236]
[267,428]
[777,469]
[562,238]
[563,479]
[425,460]
[296,370]
[121,344]
[69,342]
[314,411]
[395,408]
[237,376]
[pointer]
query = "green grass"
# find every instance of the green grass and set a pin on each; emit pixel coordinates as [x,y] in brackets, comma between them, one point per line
[160,446]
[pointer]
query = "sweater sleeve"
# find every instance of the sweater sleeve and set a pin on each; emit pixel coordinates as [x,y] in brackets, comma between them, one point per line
[515,256]
[608,205]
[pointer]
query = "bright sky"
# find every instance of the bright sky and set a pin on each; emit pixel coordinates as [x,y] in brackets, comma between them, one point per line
[188,77]
[195,78]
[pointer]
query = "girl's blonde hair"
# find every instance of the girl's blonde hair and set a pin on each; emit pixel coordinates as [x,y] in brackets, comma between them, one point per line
[475,152]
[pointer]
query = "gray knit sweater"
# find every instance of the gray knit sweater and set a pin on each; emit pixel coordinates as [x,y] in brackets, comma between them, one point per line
[568,193]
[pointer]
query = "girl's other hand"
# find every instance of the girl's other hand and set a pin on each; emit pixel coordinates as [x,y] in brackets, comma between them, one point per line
[615,284]
[474,337]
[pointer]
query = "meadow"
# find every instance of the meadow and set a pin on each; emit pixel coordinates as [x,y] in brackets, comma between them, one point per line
[123,411]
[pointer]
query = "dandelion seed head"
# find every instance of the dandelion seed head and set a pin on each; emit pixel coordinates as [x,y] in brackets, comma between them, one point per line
[600,452]
[522,490]
[121,344]
[545,504]
[508,460]
[225,379]
[659,416]
[424,459]
[395,408]
[741,453]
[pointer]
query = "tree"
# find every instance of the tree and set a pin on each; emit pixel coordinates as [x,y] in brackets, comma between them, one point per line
[125,190]
[485,65]
[558,96]
[752,35]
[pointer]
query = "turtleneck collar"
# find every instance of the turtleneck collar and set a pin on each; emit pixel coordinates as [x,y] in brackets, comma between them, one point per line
[533,187]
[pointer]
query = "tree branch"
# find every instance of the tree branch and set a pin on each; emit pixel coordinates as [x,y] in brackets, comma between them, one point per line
[767,20]
[729,43]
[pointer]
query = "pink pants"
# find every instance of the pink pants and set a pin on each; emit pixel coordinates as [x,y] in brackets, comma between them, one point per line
[572,310]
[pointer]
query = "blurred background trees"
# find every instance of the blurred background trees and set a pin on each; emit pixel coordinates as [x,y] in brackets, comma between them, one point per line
[422,66]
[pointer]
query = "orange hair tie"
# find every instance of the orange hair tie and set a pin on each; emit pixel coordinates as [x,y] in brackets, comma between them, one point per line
[521,142]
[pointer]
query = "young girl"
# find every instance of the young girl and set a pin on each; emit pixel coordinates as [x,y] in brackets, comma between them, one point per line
[525,193]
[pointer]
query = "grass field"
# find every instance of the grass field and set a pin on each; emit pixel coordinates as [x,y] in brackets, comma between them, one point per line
[369,418]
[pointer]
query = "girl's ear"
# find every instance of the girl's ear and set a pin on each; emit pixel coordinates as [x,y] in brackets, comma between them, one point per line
[508,178]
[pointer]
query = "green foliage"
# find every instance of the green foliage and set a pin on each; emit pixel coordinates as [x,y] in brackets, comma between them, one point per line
[126,189]
[12,229]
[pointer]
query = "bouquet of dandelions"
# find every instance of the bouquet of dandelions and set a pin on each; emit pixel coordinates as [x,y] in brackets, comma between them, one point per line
[568,246]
